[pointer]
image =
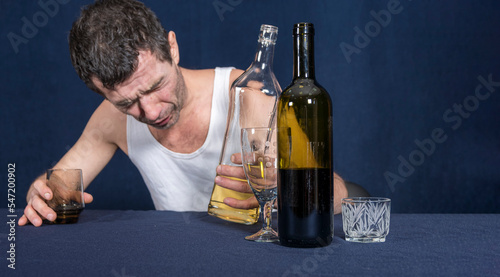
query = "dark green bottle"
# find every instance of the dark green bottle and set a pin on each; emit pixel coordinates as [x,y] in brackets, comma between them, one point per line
[305,145]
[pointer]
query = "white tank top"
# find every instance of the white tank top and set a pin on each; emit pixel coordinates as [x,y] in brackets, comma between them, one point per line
[176,181]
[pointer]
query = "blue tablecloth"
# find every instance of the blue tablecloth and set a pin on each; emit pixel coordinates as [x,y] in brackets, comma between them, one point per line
[159,243]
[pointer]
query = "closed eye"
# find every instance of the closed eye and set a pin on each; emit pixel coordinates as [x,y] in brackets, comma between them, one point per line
[124,105]
[152,88]
[127,103]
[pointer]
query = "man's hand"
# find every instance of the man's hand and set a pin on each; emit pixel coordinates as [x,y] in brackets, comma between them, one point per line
[233,178]
[37,209]
[241,185]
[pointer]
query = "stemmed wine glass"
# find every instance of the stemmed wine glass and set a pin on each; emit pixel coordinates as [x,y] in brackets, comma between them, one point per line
[258,150]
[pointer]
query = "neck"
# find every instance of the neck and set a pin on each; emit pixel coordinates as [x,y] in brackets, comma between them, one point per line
[303,55]
[264,56]
[189,81]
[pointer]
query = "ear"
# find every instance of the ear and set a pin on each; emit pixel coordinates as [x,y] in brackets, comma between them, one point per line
[174,48]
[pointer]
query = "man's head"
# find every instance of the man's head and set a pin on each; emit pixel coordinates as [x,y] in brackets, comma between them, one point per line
[105,41]
[154,94]
[121,51]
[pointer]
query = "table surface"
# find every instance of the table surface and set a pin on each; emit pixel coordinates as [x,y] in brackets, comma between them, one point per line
[162,243]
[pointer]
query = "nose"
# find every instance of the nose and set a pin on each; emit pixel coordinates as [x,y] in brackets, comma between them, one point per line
[150,107]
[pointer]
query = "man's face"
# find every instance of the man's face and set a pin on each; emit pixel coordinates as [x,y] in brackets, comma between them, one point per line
[154,94]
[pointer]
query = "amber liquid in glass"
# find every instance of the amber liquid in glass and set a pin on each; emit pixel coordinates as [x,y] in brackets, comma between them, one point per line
[66,214]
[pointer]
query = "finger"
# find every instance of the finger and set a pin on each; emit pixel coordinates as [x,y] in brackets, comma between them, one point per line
[256,172]
[249,203]
[231,171]
[32,216]
[42,189]
[23,220]
[75,196]
[240,186]
[42,209]
[236,158]
[87,198]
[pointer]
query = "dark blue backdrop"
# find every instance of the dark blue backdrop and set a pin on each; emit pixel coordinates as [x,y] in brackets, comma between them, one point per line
[414,85]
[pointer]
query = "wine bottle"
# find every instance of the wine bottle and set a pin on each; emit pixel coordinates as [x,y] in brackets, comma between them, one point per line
[252,103]
[305,153]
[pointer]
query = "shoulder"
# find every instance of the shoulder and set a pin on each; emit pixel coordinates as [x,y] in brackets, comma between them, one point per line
[107,112]
[197,75]
[198,80]
[207,75]
[203,79]
[235,73]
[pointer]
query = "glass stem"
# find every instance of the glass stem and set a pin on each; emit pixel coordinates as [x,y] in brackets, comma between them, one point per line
[266,210]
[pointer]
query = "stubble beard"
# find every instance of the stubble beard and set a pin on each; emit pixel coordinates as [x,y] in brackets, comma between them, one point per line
[180,91]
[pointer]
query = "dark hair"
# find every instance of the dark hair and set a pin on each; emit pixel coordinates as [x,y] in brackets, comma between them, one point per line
[105,40]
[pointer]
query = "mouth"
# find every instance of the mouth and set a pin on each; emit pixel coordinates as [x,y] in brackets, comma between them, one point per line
[162,122]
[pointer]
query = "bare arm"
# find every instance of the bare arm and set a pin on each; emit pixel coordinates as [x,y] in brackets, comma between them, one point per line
[93,150]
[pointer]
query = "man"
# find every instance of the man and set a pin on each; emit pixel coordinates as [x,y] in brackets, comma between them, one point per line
[169,120]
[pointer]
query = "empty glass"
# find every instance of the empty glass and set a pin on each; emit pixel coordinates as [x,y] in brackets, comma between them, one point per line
[258,149]
[366,219]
